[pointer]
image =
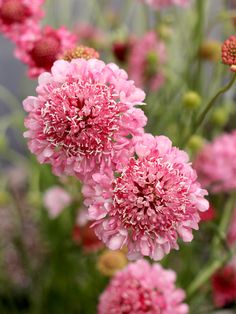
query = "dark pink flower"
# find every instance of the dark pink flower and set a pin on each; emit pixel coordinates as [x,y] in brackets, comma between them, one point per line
[16,16]
[151,202]
[142,288]
[84,118]
[40,48]
[224,285]
[229,52]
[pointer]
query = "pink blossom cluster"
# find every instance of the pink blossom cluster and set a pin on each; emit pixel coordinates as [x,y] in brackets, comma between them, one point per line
[149,204]
[84,117]
[143,288]
[37,47]
[160,4]
[17,16]
[218,174]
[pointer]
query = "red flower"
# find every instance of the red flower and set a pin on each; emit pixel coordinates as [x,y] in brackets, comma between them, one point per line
[224,286]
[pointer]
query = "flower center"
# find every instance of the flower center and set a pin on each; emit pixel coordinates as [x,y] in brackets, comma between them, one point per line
[81,52]
[150,197]
[81,117]
[45,51]
[13,11]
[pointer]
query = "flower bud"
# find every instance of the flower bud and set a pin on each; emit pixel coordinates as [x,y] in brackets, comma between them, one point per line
[111,261]
[210,50]
[195,143]
[191,100]
[220,116]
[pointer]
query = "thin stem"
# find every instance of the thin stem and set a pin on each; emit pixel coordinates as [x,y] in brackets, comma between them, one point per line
[225,219]
[203,115]
[208,271]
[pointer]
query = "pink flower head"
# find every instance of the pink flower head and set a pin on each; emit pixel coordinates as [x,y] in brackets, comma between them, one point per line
[224,285]
[90,35]
[160,4]
[84,118]
[146,58]
[153,200]
[18,15]
[143,288]
[40,48]
[229,52]
[55,200]
[216,164]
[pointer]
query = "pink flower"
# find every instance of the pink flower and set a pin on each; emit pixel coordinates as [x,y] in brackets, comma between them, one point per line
[146,58]
[216,164]
[228,52]
[160,4]
[84,118]
[16,16]
[90,35]
[40,48]
[155,199]
[143,288]
[55,200]
[224,285]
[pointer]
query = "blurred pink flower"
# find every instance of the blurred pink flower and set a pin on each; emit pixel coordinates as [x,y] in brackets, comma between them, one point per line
[55,200]
[224,285]
[147,56]
[160,4]
[90,35]
[216,164]
[40,48]
[155,199]
[84,117]
[16,16]
[143,288]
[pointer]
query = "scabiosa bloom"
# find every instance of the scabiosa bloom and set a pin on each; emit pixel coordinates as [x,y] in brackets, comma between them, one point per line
[147,56]
[229,52]
[160,4]
[84,117]
[18,15]
[147,205]
[55,200]
[143,288]
[40,48]
[216,164]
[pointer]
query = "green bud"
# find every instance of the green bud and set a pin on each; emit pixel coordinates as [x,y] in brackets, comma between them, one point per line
[195,143]
[4,198]
[191,100]
[220,116]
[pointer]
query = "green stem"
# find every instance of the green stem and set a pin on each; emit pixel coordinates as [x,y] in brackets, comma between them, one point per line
[208,271]
[225,219]
[203,115]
